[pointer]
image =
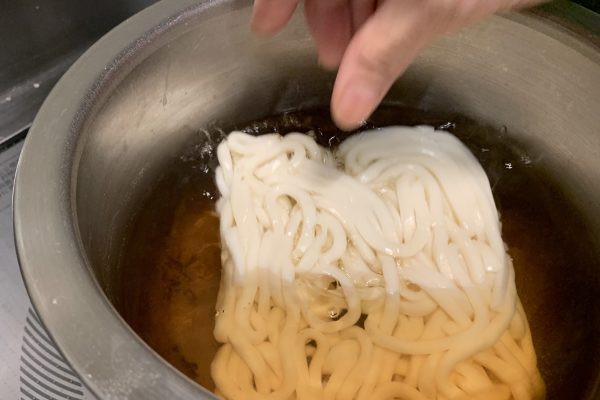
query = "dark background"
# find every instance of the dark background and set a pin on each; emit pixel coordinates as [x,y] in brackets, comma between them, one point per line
[591,4]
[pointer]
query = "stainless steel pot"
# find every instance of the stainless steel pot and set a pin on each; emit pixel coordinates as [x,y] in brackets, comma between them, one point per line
[115,120]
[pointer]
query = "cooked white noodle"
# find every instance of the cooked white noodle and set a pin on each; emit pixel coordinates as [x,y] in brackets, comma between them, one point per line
[384,278]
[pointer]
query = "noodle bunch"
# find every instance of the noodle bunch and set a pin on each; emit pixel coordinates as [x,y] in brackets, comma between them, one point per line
[376,271]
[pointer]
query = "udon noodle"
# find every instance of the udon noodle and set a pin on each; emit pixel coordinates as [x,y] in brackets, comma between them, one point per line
[376,271]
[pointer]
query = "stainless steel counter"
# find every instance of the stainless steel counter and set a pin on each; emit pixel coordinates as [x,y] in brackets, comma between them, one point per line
[39,40]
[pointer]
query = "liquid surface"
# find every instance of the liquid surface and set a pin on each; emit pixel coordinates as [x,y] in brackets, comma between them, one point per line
[172,260]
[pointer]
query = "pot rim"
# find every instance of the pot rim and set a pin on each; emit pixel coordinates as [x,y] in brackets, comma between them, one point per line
[110,358]
[118,364]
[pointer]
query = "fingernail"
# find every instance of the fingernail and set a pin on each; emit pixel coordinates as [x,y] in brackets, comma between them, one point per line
[357,102]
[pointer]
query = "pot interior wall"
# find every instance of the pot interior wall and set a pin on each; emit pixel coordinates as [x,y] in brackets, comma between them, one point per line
[208,76]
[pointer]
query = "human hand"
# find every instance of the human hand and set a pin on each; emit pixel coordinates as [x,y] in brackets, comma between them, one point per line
[373,41]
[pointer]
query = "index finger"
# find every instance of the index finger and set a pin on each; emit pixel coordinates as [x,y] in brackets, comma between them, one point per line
[270,16]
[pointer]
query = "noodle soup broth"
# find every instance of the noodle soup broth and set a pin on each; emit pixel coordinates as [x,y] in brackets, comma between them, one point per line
[171,259]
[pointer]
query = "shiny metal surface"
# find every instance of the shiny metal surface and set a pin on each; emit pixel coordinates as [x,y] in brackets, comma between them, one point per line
[134,100]
[39,40]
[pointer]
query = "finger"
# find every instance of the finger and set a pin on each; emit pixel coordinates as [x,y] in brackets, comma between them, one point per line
[380,51]
[361,11]
[270,16]
[330,24]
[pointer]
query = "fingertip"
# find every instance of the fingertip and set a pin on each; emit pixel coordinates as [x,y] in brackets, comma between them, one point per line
[381,51]
[269,16]
[329,62]
[344,125]
[353,104]
[261,28]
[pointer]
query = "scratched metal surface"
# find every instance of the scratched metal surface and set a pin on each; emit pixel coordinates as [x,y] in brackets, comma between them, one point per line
[38,42]
[31,367]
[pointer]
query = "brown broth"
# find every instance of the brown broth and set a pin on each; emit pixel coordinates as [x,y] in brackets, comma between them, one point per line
[172,261]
